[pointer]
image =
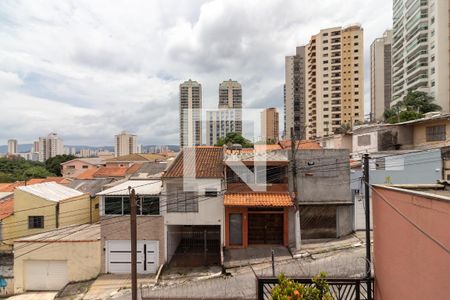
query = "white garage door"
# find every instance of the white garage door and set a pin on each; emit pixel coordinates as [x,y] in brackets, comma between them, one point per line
[118,256]
[45,275]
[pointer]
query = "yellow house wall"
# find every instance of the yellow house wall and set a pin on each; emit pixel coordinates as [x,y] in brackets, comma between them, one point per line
[72,211]
[83,259]
[420,136]
[95,211]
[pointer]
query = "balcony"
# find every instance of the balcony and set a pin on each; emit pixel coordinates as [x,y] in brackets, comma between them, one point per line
[417,44]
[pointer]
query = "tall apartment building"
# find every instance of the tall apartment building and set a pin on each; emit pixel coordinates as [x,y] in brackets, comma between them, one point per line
[230,97]
[380,76]
[125,143]
[228,118]
[50,146]
[190,113]
[420,49]
[334,80]
[12,146]
[269,125]
[294,94]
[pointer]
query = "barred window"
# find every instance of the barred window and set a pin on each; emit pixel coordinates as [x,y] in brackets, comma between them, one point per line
[435,133]
[35,222]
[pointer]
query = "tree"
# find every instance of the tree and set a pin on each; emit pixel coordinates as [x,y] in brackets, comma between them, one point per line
[53,164]
[19,169]
[412,107]
[288,289]
[234,138]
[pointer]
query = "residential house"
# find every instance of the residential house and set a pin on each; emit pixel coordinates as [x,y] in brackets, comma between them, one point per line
[130,159]
[42,207]
[75,167]
[192,202]
[6,210]
[411,241]
[49,261]
[429,132]
[337,141]
[91,187]
[323,190]
[258,206]
[381,137]
[115,227]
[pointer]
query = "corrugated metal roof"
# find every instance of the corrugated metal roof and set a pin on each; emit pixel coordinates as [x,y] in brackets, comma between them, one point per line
[51,191]
[141,187]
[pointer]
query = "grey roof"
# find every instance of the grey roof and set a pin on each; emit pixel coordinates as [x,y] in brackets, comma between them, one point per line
[90,186]
[150,170]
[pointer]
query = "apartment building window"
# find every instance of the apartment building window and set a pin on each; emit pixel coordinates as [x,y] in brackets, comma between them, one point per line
[433,70]
[325,41]
[433,83]
[325,48]
[356,71]
[355,37]
[435,133]
[356,51]
[432,57]
[356,65]
[356,44]
[35,222]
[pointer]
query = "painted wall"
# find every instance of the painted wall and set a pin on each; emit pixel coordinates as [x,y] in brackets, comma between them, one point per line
[72,211]
[420,137]
[211,210]
[118,228]
[83,259]
[75,168]
[411,168]
[407,263]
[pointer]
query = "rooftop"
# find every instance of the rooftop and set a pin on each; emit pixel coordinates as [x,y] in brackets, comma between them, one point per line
[208,163]
[258,199]
[304,144]
[141,187]
[277,155]
[138,157]
[6,208]
[75,233]
[51,191]
[89,160]
[90,186]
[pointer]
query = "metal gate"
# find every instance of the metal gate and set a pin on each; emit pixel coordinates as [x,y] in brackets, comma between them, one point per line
[194,246]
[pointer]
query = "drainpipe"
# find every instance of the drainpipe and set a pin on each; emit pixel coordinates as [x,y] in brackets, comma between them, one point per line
[57,215]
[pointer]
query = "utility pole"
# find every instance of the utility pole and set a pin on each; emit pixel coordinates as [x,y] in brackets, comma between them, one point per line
[133,244]
[368,246]
[298,238]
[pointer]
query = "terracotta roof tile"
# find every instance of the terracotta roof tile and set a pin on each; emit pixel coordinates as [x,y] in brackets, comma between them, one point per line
[134,168]
[208,163]
[258,199]
[304,144]
[10,187]
[6,208]
[104,172]
[88,174]
[138,157]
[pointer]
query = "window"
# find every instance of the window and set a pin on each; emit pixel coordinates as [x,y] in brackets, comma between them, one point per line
[182,202]
[211,193]
[35,222]
[85,166]
[96,206]
[435,133]
[364,140]
[120,205]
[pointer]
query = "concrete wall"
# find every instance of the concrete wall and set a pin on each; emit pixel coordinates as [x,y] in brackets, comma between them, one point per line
[118,228]
[173,240]
[323,176]
[71,211]
[344,220]
[83,259]
[408,264]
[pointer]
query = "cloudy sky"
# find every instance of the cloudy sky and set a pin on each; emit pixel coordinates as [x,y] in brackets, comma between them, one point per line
[90,69]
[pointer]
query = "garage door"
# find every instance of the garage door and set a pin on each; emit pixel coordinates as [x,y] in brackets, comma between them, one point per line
[265,228]
[45,275]
[118,258]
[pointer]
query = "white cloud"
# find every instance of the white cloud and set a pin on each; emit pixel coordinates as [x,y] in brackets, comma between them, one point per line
[89,69]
